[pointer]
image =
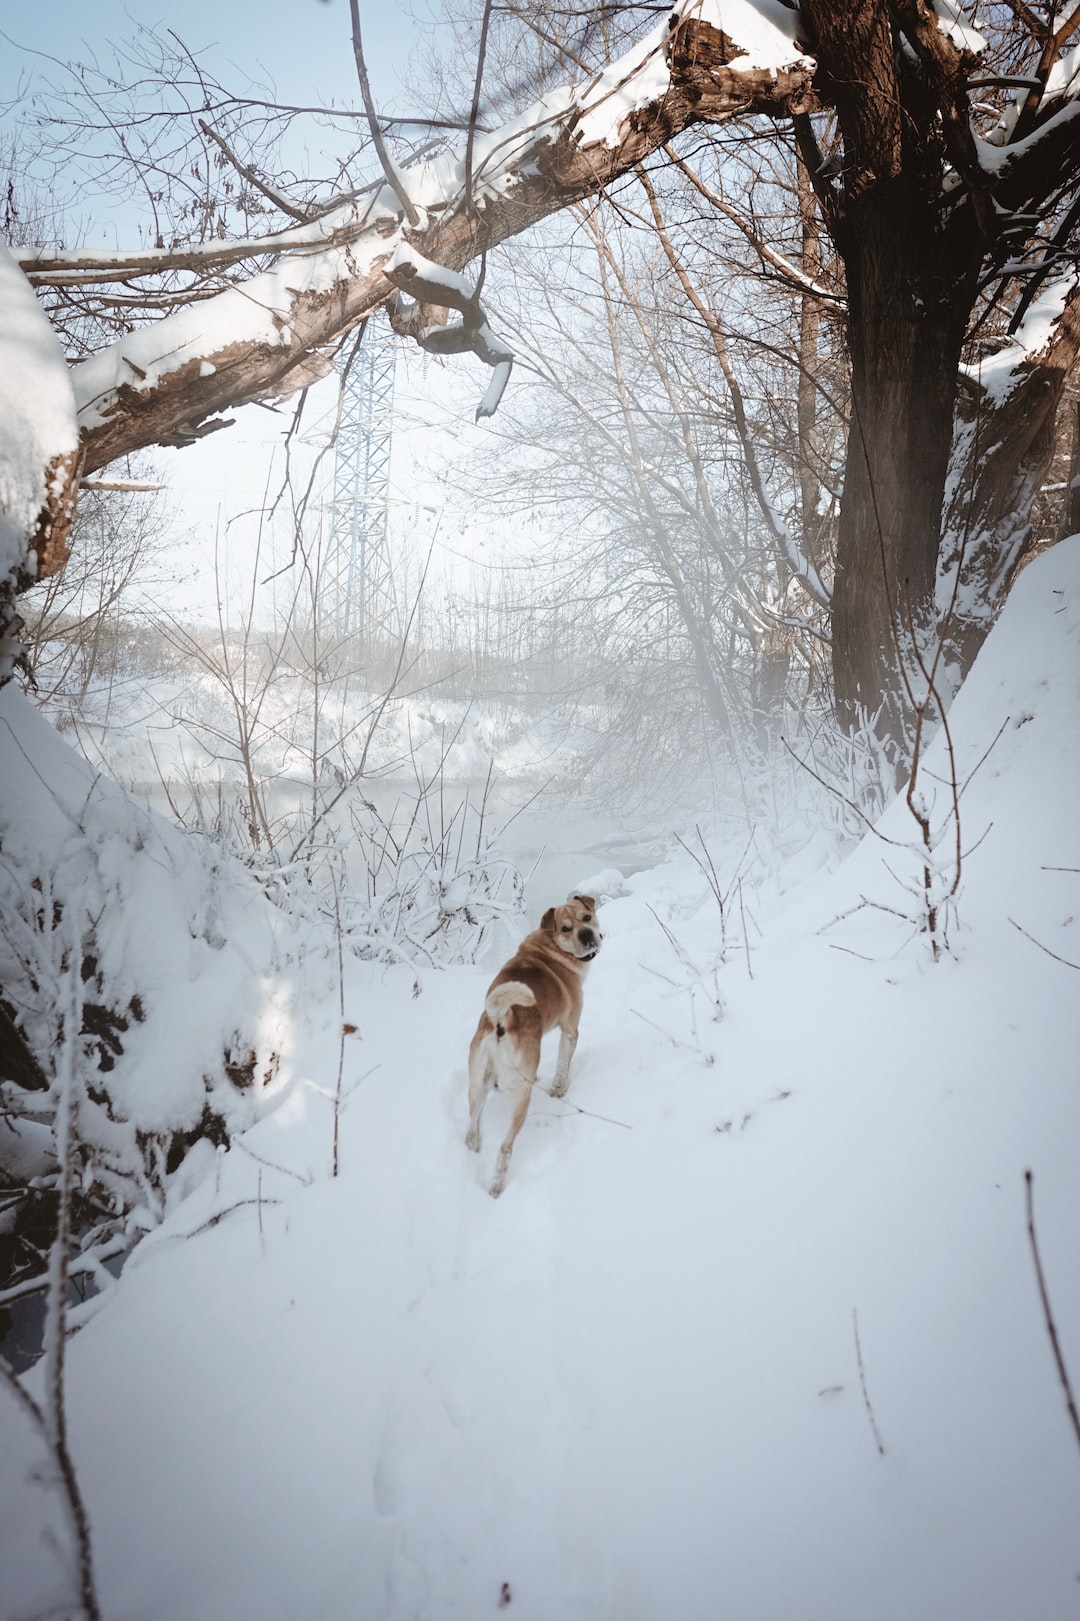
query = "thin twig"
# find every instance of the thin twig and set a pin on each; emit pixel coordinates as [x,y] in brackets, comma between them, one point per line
[745,935]
[219,1216]
[54,1412]
[1051,1329]
[879,1443]
[675,1042]
[579,1110]
[341,1021]
[1041,947]
[270,1164]
[253,178]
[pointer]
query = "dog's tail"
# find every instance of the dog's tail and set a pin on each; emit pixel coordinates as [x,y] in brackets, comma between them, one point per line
[504,1000]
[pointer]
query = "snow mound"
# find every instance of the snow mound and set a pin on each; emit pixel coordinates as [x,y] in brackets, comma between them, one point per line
[603,886]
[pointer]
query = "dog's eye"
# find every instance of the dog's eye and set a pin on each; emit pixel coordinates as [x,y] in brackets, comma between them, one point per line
[566,928]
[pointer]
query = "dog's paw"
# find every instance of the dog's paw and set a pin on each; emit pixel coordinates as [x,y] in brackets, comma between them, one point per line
[496,1187]
[472,1140]
[558,1091]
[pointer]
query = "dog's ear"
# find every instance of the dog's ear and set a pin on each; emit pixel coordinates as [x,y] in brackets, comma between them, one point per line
[586,900]
[547,922]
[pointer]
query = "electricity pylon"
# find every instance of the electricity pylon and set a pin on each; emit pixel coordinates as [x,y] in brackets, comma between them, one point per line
[359,579]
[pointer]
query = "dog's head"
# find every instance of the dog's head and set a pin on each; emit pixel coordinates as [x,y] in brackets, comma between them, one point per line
[574,927]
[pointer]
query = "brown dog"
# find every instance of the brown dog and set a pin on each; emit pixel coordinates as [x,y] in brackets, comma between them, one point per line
[539,988]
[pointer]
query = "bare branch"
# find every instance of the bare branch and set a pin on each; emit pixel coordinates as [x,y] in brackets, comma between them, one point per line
[474,111]
[247,173]
[799,564]
[389,167]
[767,253]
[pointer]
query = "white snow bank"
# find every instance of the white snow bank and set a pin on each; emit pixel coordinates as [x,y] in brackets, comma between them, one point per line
[37,411]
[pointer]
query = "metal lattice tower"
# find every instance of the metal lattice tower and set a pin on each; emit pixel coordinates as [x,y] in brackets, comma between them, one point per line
[359,588]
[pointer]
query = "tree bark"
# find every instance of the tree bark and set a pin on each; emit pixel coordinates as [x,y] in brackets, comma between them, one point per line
[910,283]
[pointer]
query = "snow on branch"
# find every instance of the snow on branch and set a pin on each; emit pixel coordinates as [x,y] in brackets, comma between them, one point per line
[75,267]
[998,375]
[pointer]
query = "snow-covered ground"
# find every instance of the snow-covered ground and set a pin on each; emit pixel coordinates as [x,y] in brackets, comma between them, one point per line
[754,1330]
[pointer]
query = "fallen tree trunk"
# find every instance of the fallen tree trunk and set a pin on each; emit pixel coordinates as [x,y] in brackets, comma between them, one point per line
[279,331]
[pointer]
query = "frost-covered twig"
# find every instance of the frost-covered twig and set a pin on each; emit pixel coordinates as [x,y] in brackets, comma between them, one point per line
[675,1042]
[933,899]
[219,1215]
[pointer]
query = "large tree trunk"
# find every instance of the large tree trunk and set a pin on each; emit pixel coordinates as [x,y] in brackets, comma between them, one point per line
[905,335]
[910,286]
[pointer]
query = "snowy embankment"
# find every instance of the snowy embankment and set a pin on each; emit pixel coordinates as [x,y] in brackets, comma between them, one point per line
[631,1388]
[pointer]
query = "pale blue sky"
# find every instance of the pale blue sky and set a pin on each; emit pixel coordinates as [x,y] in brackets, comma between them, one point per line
[302,45]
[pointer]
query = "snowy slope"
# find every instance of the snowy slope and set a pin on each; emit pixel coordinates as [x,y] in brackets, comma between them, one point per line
[630,1389]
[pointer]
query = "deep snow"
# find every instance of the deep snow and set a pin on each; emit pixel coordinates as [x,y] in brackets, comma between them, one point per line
[630,1389]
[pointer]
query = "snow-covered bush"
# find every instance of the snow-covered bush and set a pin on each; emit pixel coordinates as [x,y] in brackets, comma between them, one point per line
[188,1013]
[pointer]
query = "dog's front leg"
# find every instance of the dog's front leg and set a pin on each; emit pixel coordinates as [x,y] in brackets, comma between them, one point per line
[519,1092]
[567,1043]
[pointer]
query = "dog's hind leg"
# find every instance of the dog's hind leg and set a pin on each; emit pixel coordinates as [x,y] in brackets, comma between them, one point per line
[518,1089]
[567,1044]
[481,1074]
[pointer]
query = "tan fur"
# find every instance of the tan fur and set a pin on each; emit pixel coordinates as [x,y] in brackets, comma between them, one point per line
[539,988]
